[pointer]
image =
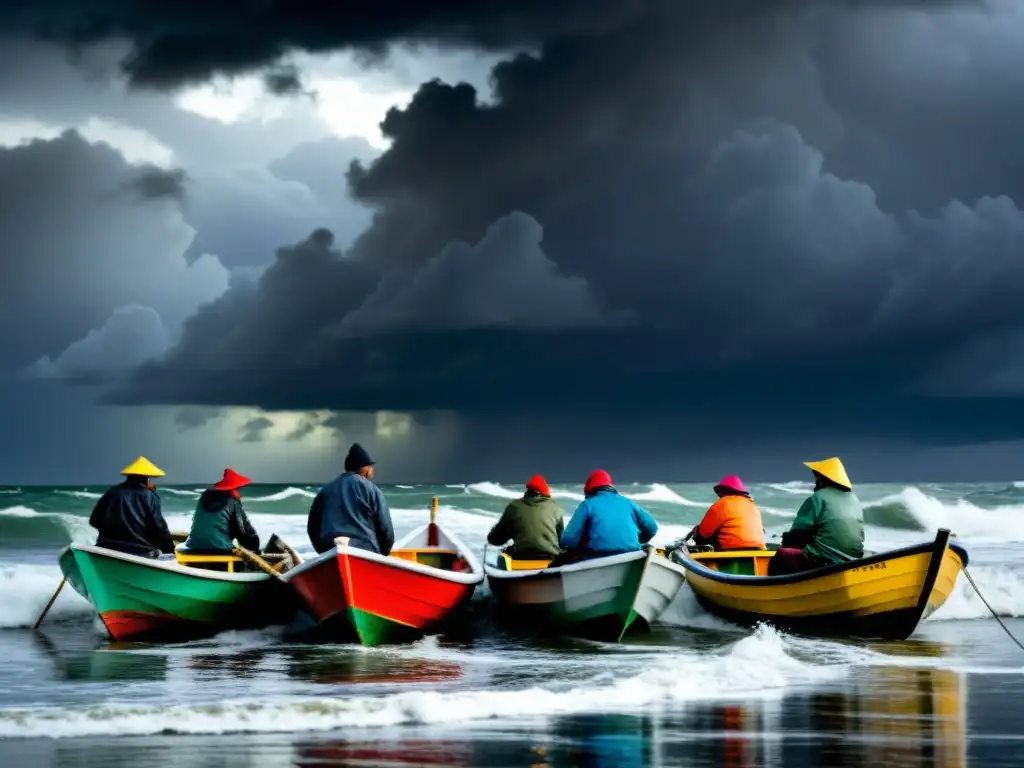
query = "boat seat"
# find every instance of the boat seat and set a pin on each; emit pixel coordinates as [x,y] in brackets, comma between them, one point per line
[446,559]
[511,564]
[209,562]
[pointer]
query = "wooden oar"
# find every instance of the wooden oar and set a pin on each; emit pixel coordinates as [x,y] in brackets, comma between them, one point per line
[252,557]
[52,599]
[296,558]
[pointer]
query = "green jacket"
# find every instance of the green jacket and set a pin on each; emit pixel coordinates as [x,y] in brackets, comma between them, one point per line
[829,527]
[534,523]
[218,519]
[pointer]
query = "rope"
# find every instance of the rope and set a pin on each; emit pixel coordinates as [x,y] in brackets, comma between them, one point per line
[994,614]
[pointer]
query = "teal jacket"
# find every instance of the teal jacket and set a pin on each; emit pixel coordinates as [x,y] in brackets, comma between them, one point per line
[218,519]
[829,527]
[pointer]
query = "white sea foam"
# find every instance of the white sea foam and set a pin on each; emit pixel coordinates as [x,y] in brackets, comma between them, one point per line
[912,508]
[287,493]
[796,487]
[181,492]
[25,590]
[664,494]
[20,511]
[493,489]
[1003,588]
[680,678]
[79,494]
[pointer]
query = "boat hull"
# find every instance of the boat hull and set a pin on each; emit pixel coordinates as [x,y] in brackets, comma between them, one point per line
[601,598]
[883,596]
[360,596]
[139,598]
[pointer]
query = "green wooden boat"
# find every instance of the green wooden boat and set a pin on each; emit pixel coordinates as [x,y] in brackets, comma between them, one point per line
[142,598]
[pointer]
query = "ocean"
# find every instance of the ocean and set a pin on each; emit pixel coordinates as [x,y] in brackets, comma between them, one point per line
[695,691]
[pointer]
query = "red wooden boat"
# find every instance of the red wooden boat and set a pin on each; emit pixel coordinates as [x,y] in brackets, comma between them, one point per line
[399,598]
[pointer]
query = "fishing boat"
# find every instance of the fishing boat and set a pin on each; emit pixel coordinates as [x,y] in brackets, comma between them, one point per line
[374,599]
[884,595]
[143,598]
[601,598]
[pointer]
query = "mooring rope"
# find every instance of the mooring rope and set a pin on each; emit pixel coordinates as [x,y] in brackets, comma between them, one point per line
[992,611]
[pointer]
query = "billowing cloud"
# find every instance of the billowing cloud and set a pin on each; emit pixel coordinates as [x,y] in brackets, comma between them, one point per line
[131,336]
[255,429]
[76,249]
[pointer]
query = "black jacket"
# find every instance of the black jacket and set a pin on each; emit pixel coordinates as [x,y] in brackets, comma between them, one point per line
[218,519]
[128,519]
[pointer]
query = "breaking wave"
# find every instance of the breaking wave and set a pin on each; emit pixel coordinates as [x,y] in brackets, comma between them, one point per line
[683,677]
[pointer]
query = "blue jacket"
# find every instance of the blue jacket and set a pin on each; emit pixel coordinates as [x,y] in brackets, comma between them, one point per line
[350,505]
[608,524]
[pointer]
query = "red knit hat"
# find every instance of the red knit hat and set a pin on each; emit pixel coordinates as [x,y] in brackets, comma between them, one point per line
[539,484]
[597,478]
[231,481]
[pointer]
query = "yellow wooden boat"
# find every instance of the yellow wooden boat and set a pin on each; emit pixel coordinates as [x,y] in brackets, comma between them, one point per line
[884,595]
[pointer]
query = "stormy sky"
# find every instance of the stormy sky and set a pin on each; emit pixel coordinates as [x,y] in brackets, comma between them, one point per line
[673,239]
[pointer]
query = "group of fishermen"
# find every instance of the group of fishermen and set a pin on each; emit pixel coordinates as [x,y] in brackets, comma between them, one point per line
[828,529]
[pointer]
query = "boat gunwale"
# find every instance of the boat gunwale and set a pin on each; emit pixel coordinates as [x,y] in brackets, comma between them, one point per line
[473,577]
[172,566]
[687,561]
[549,572]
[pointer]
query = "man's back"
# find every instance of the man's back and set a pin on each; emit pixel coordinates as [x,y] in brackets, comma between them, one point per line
[607,523]
[127,518]
[836,520]
[733,522]
[352,506]
[534,523]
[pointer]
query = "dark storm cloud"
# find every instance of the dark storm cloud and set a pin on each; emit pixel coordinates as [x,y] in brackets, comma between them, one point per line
[90,277]
[255,430]
[154,183]
[659,218]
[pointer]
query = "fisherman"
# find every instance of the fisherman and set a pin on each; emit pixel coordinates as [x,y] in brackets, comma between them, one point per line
[732,522]
[829,527]
[127,517]
[219,519]
[352,505]
[534,523]
[606,523]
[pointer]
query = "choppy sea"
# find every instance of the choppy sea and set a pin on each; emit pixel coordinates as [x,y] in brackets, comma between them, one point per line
[696,691]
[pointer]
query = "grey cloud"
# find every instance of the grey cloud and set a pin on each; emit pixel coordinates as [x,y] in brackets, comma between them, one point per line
[254,430]
[195,417]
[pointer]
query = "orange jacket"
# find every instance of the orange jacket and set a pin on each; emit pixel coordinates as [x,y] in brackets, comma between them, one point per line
[733,522]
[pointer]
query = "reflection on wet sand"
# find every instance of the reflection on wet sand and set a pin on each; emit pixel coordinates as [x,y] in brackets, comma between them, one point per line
[887,716]
[103,662]
[348,667]
[380,752]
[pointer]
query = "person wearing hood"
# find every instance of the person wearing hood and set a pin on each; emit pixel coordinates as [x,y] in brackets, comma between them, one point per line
[127,517]
[732,522]
[352,505]
[534,523]
[606,523]
[829,527]
[219,519]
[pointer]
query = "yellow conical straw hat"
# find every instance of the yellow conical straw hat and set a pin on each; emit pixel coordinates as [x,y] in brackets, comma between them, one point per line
[833,469]
[144,467]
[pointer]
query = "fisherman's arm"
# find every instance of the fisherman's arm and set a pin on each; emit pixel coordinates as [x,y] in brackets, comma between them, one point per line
[161,534]
[647,525]
[243,530]
[705,532]
[573,532]
[382,520]
[315,521]
[802,531]
[502,530]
